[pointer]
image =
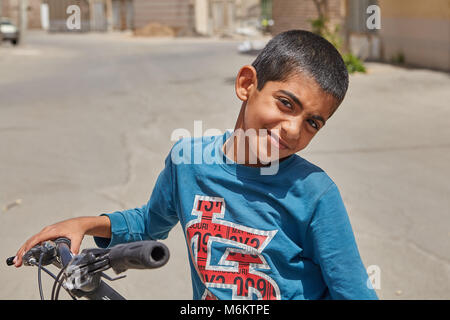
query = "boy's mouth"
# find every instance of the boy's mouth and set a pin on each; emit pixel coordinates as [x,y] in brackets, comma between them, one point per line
[277,141]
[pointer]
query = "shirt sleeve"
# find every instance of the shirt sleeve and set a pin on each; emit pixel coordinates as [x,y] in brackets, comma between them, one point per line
[152,221]
[335,249]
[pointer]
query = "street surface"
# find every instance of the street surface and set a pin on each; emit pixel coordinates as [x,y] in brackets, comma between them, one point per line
[86,123]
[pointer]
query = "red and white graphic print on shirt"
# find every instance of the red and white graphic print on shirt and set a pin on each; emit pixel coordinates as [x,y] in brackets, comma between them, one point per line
[236,269]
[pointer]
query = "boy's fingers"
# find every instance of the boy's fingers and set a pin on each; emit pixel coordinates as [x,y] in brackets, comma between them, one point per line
[30,243]
[24,249]
[49,233]
[17,262]
[75,244]
[18,258]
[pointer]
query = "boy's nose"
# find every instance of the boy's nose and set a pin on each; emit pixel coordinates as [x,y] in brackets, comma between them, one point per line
[291,130]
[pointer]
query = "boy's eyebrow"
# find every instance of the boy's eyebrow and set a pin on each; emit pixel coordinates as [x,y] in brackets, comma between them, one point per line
[297,101]
[293,97]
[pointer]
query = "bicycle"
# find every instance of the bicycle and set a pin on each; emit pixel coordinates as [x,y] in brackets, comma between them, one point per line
[80,275]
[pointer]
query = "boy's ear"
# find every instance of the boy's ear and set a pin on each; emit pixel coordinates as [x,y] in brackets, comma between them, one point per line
[246,82]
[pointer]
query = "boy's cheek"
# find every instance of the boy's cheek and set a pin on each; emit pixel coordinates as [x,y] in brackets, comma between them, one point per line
[302,145]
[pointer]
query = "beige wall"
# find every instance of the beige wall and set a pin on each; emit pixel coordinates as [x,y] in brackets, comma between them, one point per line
[34,14]
[202,25]
[10,9]
[219,16]
[420,30]
[178,14]
[295,14]
[430,9]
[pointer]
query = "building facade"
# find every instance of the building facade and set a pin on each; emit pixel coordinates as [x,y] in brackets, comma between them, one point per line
[417,32]
[184,17]
[176,14]
[12,9]
[225,17]
[297,14]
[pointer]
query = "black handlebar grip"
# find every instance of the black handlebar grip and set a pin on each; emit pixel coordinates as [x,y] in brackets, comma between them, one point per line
[138,255]
[62,241]
[10,261]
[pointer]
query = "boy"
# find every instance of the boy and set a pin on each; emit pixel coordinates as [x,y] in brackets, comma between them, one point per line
[279,235]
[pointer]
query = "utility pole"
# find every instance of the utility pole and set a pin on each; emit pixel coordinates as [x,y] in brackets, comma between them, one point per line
[23,18]
[1,7]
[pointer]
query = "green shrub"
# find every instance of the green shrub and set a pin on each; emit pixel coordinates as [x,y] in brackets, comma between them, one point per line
[398,58]
[321,26]
[353,63]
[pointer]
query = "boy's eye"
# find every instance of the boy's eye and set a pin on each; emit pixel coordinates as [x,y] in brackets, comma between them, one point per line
[313,124]
[286,102]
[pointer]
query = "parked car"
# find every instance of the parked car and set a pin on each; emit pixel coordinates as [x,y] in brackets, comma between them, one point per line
[9,32]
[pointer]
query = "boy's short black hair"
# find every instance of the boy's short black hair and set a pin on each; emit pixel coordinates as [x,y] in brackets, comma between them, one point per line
[296,51]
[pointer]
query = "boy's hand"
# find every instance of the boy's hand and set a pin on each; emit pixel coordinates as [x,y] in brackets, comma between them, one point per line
[73,229]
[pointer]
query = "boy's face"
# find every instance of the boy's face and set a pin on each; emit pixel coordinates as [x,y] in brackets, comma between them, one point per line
[291,112]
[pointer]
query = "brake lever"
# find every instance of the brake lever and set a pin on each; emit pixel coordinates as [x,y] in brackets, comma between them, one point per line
[48,249]
[85,270]
[104,275]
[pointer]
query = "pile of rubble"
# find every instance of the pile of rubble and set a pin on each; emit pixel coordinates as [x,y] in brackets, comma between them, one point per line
[155,30]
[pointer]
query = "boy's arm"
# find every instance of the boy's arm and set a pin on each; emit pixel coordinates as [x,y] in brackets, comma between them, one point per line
[334,249]
[152,221]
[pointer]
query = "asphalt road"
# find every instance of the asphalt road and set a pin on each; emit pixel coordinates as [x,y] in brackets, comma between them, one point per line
[86,122]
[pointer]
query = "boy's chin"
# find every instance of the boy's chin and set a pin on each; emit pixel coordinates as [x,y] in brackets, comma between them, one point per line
[268,160]
[265,158]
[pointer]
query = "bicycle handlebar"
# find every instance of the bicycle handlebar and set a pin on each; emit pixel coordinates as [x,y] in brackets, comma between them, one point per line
[138,255]
[63,249]
[82,272]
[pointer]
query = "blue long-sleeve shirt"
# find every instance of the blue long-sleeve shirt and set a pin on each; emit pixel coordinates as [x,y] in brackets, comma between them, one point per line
[280,236]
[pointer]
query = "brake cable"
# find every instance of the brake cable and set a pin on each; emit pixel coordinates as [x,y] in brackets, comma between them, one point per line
[60,284]
[45,269]
[58,281]
[41,256]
